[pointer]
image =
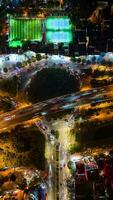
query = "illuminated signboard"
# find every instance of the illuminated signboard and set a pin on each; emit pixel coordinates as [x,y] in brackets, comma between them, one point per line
[58,29]
[58,23]
[24,29]
[15,43]
[59,36]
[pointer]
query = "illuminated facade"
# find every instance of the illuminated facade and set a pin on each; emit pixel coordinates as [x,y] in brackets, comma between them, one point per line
[58,29]
[59,36]
[24,29]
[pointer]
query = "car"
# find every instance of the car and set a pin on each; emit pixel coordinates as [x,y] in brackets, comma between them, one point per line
[4,168]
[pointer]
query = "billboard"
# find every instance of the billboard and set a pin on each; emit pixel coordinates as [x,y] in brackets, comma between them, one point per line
[24,29]
[58,29]
[59,36]
[15,43]
[58,23]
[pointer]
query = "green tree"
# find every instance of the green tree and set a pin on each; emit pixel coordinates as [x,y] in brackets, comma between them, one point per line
[19,64]
[25,147]
[5,69]
[51,82]
[38,56]
[11,85]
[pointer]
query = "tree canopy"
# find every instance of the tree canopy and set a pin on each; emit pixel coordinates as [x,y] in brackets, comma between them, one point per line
[11,85]
[51,82]
[25,147]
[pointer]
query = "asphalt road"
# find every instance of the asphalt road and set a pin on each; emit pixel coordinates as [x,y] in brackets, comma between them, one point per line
[58,104]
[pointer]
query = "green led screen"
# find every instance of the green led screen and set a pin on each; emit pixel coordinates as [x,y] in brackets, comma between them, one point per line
[25,29]
[58,29]
[15,43]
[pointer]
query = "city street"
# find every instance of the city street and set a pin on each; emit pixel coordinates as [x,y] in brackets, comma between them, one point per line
[65,139]
[58,104]
[56,100]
